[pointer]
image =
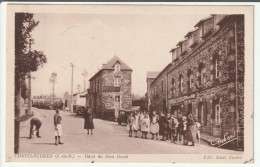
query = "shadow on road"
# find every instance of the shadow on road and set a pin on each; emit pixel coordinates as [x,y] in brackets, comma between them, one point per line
[44,143]
[76,116]
[25,137]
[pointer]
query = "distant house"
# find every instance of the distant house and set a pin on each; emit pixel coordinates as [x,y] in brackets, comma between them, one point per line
[66,100]
[110,89]
[80,99]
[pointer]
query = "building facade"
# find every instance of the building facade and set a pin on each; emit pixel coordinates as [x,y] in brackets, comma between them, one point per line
[206,77]
[80,99]
[151,75]
[110,89]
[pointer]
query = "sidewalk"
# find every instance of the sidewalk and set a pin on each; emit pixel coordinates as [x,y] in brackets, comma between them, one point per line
[206,137]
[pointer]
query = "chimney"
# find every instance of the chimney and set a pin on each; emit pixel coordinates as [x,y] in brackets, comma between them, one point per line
[103,66]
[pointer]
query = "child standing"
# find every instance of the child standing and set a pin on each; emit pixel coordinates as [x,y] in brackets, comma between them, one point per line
[130,122]
[136,124]
[185,122]
[198,130]
[145,125]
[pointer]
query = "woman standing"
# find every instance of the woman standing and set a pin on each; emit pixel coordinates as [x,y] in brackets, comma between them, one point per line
[89,124]
[180,127]
[192,130]
[154,126]
[145,125]
[163,122]
[136,124]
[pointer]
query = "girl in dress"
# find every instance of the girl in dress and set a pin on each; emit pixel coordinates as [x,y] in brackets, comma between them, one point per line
[198,130]
[145,125]
[136,124]
[154,126]
[184,134]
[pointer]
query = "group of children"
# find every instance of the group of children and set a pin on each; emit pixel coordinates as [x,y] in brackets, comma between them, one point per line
[181,129]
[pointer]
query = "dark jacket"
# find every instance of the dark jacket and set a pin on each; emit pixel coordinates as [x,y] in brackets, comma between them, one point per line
[163,123]
[57,119]
[35,121]
[89,124]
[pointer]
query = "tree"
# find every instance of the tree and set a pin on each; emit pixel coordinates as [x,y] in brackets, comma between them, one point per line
[24,89]
[52,79]
[25,62]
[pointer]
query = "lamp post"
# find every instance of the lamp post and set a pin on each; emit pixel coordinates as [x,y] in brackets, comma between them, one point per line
[71,98]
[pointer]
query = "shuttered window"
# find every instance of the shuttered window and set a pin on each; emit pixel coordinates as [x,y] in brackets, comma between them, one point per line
[217,112]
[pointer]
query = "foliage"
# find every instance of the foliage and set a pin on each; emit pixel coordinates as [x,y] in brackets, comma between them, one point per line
[24,90]
[53,77]
[25,61]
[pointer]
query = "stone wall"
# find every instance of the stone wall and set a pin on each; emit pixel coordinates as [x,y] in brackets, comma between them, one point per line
[149,92]
[159,92]
[212,90]
[103,99]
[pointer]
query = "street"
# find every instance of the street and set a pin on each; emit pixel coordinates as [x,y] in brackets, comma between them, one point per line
[108,137]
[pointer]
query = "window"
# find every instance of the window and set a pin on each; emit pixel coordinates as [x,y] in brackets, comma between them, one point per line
[217,112]
[162,86]
[204,75]
[117,67]
[95,86]
[174,55]
[117,81]
[173,86]
[217,68]
[201,74]
[117,99]
[180,83]
[202,114]
[191,80]
[98,85]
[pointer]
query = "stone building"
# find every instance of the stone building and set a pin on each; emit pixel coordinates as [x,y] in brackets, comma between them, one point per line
[110,89]
[206,77]
[151,75]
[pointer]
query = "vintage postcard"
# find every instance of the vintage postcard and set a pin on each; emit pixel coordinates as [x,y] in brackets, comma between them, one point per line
[129,83]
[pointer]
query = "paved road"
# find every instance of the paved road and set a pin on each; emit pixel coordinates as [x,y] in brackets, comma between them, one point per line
[108,138]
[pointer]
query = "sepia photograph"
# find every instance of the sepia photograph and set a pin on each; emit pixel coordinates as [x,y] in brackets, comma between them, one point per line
[114,82]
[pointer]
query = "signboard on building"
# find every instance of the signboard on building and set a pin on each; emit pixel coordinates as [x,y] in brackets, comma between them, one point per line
[183,98]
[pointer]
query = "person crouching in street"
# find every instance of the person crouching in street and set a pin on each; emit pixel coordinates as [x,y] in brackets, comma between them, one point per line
[37,123]
[58,127]
[130,122]
[145,125]
[154,126]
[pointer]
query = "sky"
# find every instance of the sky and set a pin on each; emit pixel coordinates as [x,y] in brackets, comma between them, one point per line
[142,41]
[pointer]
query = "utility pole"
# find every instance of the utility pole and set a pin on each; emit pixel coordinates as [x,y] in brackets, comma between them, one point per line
[71,105]
[30,83]
[85,74]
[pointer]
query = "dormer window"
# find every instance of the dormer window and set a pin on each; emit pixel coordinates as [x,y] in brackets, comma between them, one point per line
[117,67]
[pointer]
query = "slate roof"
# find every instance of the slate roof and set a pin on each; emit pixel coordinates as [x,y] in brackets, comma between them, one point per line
[152,74]
[110,64]
[202,20]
